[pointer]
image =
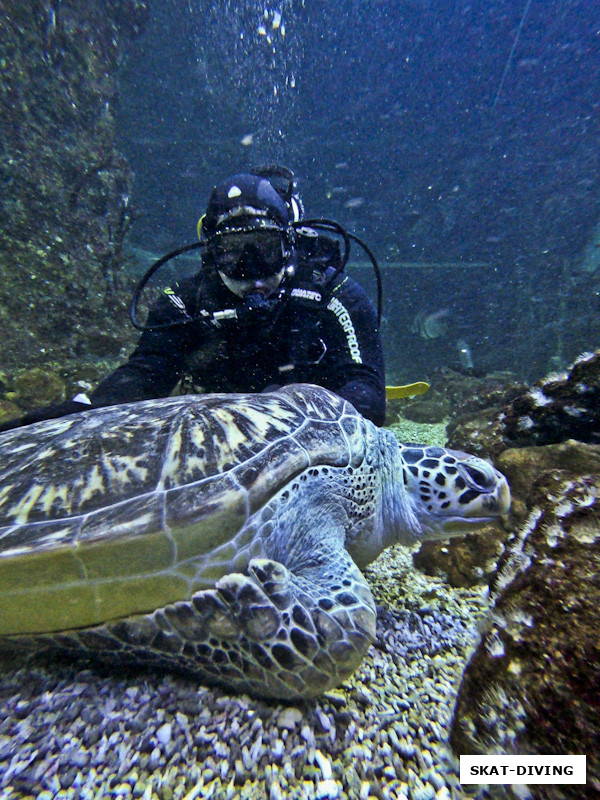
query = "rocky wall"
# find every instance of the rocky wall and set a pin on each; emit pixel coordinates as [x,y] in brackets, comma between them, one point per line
[65,189]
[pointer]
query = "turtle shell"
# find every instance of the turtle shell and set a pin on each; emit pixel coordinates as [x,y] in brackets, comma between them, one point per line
[121,510]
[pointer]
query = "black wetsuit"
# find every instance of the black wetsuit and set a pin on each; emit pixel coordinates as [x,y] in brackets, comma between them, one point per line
[322,334]
[332,341]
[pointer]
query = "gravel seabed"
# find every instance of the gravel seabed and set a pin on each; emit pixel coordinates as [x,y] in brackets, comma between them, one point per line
[68,730]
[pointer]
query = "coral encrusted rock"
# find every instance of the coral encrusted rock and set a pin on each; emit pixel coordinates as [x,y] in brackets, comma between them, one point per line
[558,407]
[533,684]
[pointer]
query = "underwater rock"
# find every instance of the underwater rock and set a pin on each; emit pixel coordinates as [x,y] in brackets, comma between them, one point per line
[478,432]
[465,561]
[558,407]
[104,343]
[37,387]
[8,410]
[84,377]
[533,684]
[476,406]
[550,416]
[467,394]
[67,210]
[523,467]
[429,411]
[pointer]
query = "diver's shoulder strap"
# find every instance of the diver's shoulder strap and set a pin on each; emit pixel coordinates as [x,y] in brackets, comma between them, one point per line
[314,288]
[308,295]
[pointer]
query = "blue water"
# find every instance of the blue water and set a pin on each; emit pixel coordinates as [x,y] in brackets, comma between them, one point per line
[444,133]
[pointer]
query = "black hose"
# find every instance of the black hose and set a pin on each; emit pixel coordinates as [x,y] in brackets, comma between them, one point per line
[330,225]
[377,271]
[141,285]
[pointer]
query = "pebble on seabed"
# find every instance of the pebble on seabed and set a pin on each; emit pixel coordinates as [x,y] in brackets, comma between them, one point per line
[69,733]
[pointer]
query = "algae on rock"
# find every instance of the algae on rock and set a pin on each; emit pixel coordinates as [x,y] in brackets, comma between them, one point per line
[64,208]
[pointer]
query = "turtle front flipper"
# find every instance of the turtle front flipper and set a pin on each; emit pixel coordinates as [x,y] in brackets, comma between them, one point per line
[296,635]
[272,632]
[299,621]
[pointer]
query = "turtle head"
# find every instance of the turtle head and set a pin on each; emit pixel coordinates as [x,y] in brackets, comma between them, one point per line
[449,493]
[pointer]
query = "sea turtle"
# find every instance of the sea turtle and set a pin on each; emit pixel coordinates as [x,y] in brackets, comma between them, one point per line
[222,534]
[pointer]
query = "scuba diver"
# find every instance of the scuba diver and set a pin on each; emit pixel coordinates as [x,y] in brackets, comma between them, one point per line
[270,306]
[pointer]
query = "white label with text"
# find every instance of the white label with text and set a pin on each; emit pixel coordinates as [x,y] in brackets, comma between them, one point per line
[522,769]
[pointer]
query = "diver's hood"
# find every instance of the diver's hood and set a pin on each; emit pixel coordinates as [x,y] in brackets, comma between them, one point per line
[244,200]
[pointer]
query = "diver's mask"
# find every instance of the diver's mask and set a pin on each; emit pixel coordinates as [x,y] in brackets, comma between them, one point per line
[250,262]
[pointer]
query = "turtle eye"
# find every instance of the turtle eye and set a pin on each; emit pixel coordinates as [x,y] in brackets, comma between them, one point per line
[477,477]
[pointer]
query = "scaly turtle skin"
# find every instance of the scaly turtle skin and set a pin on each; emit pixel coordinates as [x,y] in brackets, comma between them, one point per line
[221,534]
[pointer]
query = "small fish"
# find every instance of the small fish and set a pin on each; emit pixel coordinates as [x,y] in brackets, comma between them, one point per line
[465,356]
[341,165]
[354,202]
[247,140]
[276,20]
[431,325]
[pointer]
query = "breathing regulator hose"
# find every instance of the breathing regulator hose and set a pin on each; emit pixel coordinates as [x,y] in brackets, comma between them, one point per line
[335,227]
[318,224]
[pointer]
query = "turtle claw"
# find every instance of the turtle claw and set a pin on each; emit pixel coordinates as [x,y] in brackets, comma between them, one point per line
[274,579]
[253,612]
[214,613]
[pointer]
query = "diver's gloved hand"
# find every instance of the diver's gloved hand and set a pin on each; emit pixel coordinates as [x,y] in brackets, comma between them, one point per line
[46,412]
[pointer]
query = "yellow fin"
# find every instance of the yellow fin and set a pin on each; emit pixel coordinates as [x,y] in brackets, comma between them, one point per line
[394,392]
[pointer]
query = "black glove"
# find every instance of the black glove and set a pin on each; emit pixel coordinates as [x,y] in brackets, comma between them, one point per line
[46,412]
